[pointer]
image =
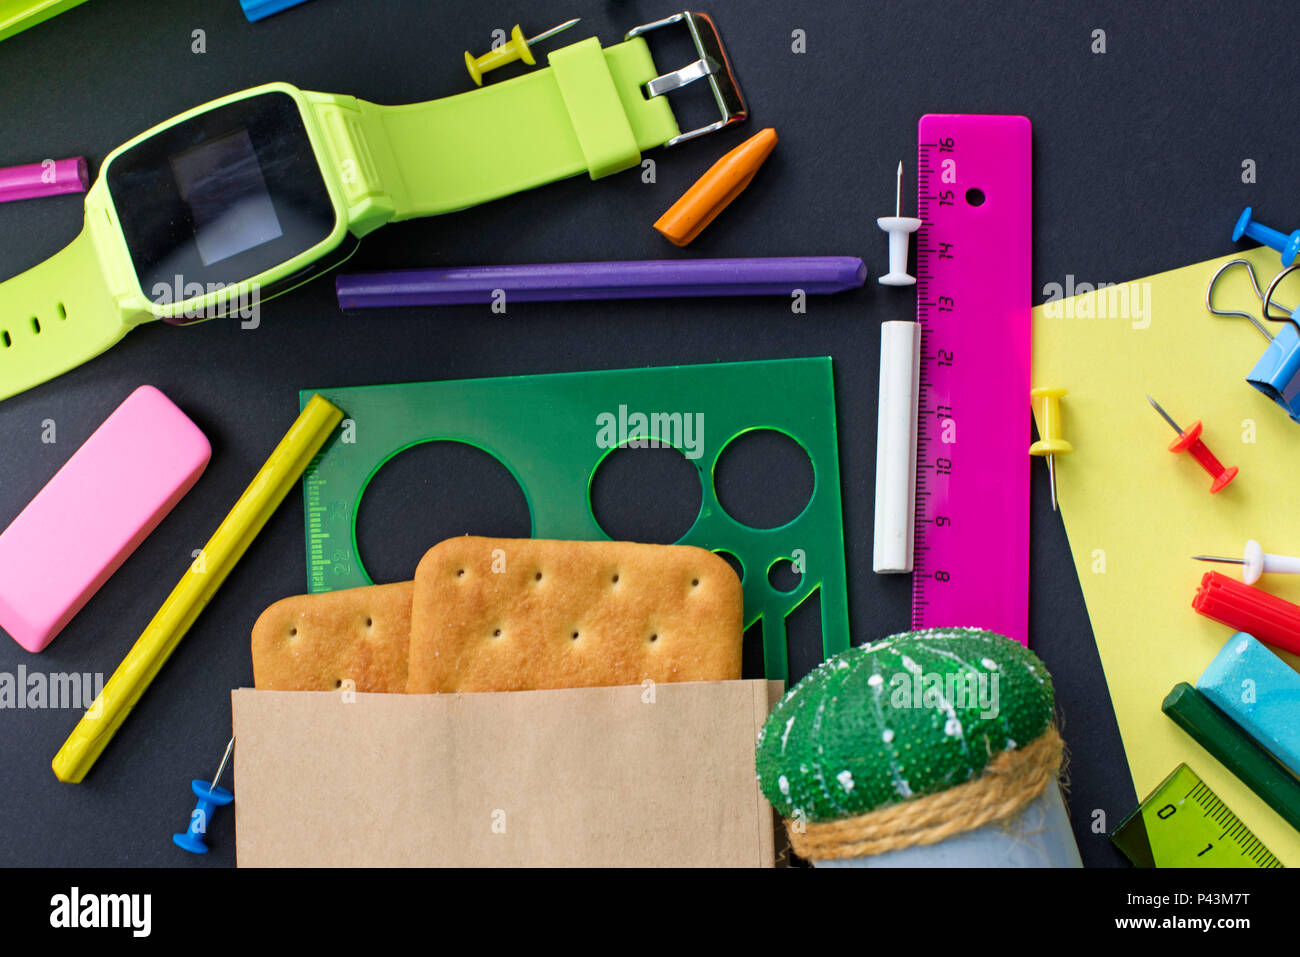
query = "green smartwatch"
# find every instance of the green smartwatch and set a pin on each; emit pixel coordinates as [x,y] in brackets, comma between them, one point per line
[251,195]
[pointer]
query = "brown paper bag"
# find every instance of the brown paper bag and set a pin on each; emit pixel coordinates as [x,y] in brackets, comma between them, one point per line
[626,776]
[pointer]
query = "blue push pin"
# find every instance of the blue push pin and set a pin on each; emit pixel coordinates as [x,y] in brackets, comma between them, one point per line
[210,798]
[1288,246]
[256,10]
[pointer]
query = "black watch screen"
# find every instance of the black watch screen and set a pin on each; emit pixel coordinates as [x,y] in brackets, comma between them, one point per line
[220,198]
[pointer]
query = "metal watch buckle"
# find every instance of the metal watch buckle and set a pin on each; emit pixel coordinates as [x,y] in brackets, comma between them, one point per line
[712,64]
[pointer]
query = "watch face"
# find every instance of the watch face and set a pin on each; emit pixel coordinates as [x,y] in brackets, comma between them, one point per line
[221,198]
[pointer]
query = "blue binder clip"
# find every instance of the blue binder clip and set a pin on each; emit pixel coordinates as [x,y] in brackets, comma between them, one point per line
[1277,373]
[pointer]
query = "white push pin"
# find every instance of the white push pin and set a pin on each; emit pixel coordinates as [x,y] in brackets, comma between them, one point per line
[1255,562]
[899,228]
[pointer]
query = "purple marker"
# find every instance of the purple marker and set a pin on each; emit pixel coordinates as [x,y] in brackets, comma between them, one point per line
[47,178]
[566,282]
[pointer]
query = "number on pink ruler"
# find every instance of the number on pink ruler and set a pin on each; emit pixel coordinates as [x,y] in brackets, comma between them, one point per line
[973,300]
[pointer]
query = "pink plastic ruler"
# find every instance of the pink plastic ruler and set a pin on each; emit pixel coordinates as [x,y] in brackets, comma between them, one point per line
[972,301]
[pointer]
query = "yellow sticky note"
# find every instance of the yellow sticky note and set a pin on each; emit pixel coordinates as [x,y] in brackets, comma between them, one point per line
[1136,513]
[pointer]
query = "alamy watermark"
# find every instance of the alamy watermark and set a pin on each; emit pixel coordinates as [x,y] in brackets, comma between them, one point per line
[1102,300]
[76,909]
[964,691]
[35,690]
[653,430]
[243,304]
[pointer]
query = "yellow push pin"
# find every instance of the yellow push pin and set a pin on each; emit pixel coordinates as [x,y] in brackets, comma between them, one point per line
[516,48]
[1049,427]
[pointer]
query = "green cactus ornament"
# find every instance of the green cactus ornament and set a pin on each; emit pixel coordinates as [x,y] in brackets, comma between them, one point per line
[910,715]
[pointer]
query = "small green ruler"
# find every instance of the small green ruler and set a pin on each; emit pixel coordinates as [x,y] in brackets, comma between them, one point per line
[1182,823]
[544,429]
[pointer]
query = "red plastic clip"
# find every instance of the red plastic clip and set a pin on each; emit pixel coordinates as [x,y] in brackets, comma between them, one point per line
[1246,608]
[1189,440]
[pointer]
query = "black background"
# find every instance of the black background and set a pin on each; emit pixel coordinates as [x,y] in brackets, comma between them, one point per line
[1137,157]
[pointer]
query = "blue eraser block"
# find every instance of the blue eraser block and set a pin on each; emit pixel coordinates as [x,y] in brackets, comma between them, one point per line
[1260,692]
[261,9]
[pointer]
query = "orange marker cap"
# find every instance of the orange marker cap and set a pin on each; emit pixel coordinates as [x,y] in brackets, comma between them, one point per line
[714,191]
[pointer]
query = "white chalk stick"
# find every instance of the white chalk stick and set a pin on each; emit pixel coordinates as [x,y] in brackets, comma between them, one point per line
[900,371]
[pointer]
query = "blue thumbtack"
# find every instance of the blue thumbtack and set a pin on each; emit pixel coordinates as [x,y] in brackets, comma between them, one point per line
[1288,246]
[261,9]
[210,798]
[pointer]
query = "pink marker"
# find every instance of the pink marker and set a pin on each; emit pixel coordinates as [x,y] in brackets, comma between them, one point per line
[106,499]
[46,178]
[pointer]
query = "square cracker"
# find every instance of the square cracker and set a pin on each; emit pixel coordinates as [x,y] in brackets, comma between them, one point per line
[530,614]
[316,642]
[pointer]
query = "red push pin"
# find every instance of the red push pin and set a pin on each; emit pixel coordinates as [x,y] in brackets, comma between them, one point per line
[1190,441]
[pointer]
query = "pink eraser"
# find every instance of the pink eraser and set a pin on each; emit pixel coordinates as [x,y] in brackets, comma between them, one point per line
[91,516]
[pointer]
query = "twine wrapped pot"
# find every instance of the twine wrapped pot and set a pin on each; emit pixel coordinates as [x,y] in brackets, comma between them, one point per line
[914,740]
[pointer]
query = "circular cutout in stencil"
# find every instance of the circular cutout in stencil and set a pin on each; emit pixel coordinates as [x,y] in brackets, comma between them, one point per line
[733,560]
[763,478]
[650,495]
[433,491]
[783,576]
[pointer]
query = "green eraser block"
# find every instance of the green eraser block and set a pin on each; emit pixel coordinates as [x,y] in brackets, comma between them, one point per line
[1235,750]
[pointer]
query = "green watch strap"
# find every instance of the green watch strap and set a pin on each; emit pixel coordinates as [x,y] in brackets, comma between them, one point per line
[586,112]
[56,316]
